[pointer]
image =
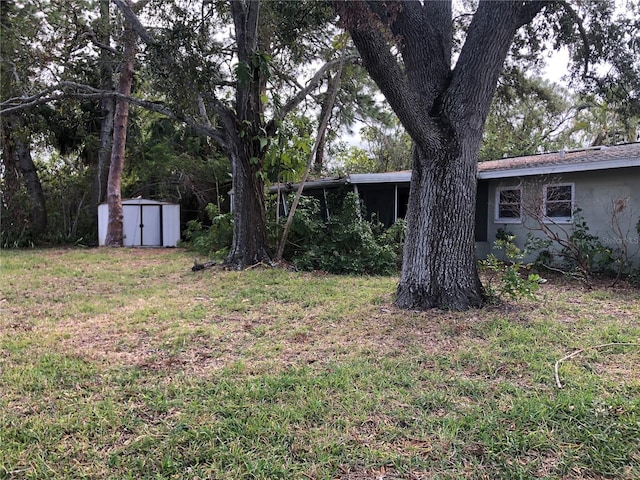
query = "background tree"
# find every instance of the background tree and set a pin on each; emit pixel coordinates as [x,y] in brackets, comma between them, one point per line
[227,83]
[599,123]
[528,115]
[115,230]
[102,35]
[56,42]
[389,145]
[19,25]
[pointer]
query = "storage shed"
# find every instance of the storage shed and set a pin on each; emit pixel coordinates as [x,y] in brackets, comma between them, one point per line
[147,223]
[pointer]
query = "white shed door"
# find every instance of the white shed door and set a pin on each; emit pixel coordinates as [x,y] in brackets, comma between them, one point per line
[151,226]
[131,225]
[142,225]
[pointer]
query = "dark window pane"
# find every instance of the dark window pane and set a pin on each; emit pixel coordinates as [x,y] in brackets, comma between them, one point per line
[509,204]
[558,193]
[559,201]
[509,211]
[559,209]
[510,196]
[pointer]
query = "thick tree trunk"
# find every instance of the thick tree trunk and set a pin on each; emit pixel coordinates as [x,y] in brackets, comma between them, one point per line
[115,232]
[34,187]
[245,130]
[249,245]
[439,263]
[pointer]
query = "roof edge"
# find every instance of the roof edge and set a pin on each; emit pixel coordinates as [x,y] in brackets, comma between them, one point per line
[558,168]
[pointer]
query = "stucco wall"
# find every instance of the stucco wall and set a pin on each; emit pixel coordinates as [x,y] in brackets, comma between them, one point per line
[594,192]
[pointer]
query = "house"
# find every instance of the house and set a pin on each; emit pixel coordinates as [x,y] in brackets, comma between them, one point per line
[520,194]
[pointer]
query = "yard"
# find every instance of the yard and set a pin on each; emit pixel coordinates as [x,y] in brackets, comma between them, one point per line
[125,364]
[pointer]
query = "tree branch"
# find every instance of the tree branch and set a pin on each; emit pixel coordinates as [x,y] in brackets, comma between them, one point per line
[294,101]
[334,86]
[481,60]
[133,20]
[593,347]
[94,39]
[583,33]
[369,37]
[225,114]
[85,92]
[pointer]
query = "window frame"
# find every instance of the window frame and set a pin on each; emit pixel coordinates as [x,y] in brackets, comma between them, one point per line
[545,201]
[497,217]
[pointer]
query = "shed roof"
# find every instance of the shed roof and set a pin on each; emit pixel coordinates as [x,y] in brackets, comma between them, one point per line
[143,201]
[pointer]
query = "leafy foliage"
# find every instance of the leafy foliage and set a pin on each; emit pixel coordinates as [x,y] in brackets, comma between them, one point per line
[345,243]
[213,240]
[14,212]
[508,273]
[171,162]
[287,155]
[527,115]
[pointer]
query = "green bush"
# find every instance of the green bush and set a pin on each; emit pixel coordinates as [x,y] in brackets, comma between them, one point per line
[305,230]
[585,252]
[211,241]
[343,244]
[505,276]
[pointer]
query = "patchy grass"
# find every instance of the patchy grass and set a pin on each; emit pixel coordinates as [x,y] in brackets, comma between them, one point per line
[125,364]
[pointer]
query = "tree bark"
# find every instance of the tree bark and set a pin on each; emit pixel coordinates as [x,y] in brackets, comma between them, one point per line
[318,164]
[115,232]
[246,145]
[439,264]
[249,245]
[444,112]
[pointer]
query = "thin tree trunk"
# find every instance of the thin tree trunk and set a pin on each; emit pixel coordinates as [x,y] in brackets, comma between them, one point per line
[19,148]
[115,234]
[107,105]
[322,134]
[334,85]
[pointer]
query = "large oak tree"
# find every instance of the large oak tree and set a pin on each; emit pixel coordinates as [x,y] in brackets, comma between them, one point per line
[406,46]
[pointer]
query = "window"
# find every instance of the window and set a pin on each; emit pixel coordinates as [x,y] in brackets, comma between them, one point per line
[508,204]
[558,202]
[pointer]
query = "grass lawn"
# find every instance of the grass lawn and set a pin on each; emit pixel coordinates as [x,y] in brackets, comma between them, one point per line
[122,363]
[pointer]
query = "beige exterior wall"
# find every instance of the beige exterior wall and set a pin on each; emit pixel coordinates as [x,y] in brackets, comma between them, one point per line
[595,192]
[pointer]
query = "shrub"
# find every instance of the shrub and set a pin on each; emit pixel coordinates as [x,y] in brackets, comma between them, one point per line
[214,240]
[343,244]
[578,253]
[505,276]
